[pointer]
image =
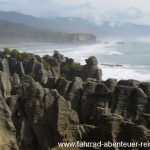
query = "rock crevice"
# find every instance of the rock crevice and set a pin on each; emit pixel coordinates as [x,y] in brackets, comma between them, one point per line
[41,106]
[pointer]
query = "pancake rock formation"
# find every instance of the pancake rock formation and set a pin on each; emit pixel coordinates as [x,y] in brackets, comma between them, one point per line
[51,99]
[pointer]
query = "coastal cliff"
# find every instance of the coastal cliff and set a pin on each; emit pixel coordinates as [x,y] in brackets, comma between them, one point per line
[12,33]
[51,99]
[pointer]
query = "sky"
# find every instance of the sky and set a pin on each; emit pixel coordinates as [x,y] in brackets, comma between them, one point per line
[96,11]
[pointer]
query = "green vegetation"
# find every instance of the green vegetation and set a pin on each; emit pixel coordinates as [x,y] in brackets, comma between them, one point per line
[46,65]
[76,66]
[46,62]
[32,74]
[46,58]
[69,67]
[16,54]
[6,52]
[27,56]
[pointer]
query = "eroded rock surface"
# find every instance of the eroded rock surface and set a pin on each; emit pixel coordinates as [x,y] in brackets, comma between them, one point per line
[91,70]
[41,106]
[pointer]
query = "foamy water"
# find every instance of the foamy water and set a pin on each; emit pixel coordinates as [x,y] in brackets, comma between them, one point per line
[124,73]
[130,64]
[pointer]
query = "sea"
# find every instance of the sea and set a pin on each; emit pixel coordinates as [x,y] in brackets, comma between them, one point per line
[120,60]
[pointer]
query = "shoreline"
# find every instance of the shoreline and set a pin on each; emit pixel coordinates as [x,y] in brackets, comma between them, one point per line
[118,71]
[53,96]
[20,45]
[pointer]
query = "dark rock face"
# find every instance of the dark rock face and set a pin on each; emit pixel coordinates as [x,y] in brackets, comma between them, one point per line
[74,94]
[129,102]
[20,69]
[38,71]
[62,86]
[39,107]
[87,100]
[114,128]
[68,69]
[44,118]
[55,68]
[91,70]
[59,57]
[131,83]
[146,87]
[111,83]
[16,66]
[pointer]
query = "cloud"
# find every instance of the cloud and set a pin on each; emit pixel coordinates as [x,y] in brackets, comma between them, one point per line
[133,12]
[130,15]
[96,11]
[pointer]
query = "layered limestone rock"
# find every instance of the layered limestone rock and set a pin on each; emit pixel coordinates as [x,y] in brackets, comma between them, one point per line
[130,82]
[129,102]
[5,84]
[87,101]
[146,87]
[111,83]
[42,117]
[4,66]
[91,70]
[62,85]
[37,70]
[8,139]
[115,129]
[74,94]
[52,99]
[59,57]
[55,67]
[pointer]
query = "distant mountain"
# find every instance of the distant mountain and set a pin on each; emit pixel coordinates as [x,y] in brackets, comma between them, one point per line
[53,24]
[77,25]
[11,32]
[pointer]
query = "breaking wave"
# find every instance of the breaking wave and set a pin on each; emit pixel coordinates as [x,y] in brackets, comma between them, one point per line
[80,53]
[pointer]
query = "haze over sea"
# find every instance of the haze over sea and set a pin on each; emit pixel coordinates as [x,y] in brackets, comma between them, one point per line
[118,60]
